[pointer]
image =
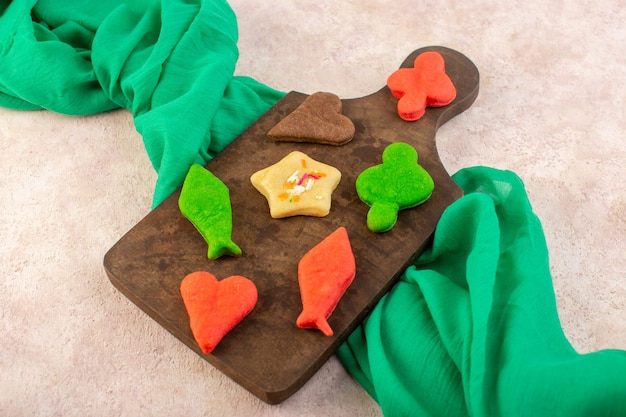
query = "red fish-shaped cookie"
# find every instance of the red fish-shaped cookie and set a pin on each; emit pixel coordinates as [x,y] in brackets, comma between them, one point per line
[324,275]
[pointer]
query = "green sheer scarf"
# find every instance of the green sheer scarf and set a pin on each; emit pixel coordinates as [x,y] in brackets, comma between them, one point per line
[472,328]
[169,62]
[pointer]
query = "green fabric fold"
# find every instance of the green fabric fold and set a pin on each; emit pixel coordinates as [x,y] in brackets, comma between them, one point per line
[171,63]
[471,329]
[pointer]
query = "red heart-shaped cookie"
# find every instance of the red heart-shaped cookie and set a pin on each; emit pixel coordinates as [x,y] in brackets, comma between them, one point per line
[216,307]
[317,120]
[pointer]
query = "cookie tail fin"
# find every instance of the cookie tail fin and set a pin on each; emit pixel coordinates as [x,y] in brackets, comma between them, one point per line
[310,320]
[222,246]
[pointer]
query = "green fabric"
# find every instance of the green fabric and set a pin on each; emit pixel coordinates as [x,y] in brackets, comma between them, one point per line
[472,329]
[169,62]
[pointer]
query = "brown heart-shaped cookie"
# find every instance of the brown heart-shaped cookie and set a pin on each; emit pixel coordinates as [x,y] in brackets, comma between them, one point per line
[317,120]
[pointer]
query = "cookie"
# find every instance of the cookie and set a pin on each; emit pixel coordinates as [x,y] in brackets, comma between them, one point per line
[398,183]
[317,120]
[216,307]
[297,185]
[205,201]
[424,85]
[324,274]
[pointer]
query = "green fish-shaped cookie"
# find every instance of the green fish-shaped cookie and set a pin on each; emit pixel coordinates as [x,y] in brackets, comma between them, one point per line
[205,201]
[398,183]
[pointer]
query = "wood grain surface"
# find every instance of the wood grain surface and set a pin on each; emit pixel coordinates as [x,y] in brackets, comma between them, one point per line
[267,353]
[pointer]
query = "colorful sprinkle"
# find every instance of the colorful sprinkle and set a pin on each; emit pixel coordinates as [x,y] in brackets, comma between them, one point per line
[306,175]
[296,185]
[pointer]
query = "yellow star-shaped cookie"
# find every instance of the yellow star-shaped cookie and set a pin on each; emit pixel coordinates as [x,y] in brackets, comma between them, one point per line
[297,185]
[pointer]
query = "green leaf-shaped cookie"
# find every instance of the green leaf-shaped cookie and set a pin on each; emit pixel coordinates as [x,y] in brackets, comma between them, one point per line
[396,184]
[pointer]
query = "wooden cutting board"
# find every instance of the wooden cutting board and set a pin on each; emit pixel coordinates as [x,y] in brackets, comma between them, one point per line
[267,353]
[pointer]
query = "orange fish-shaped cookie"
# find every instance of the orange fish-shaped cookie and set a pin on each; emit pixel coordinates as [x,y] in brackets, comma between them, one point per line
[324,275]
